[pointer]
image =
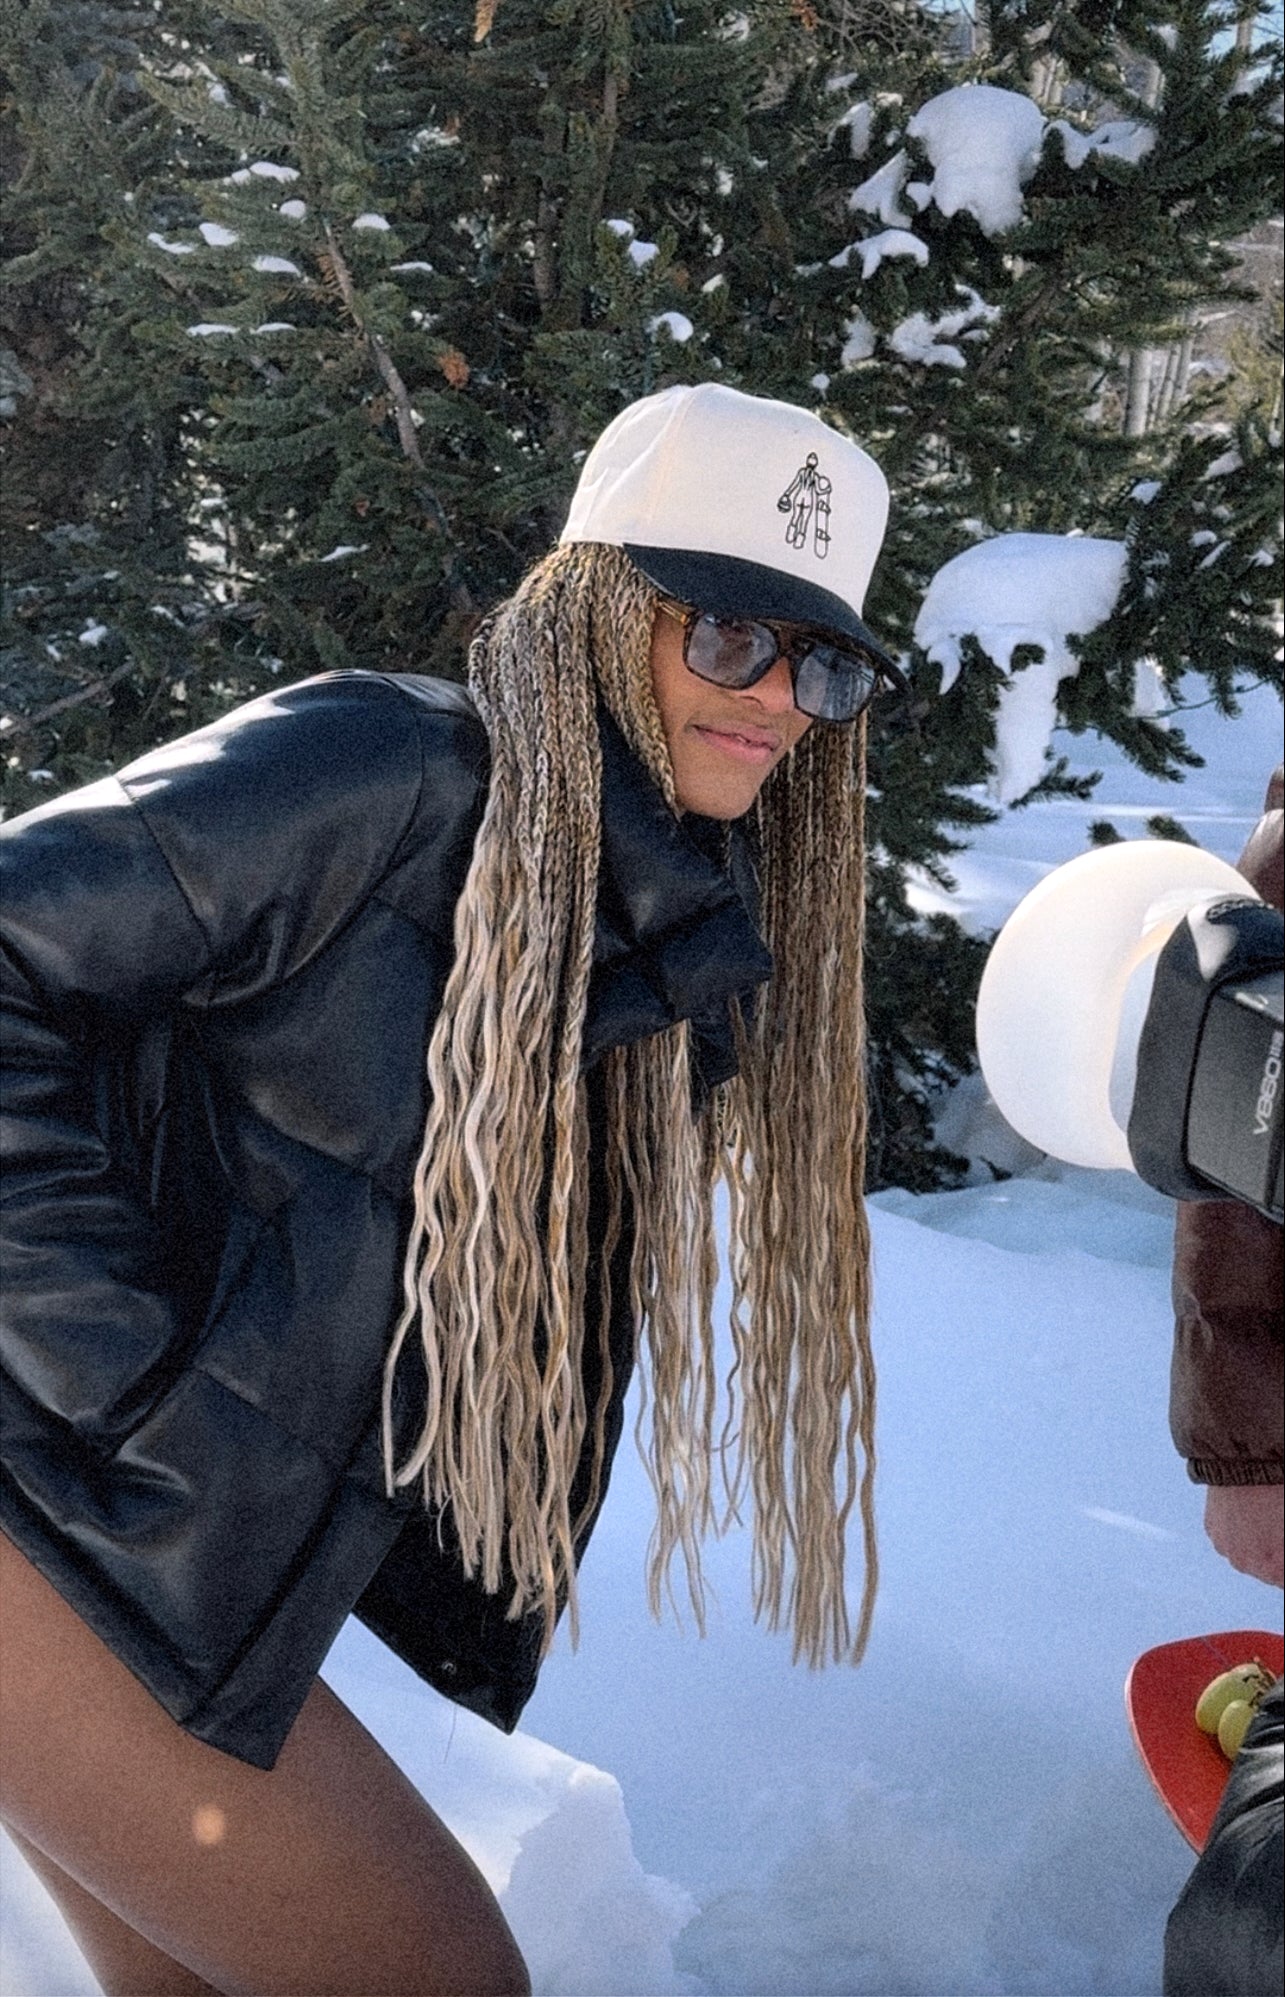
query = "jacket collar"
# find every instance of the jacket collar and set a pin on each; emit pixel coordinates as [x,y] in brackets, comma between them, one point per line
[677,936]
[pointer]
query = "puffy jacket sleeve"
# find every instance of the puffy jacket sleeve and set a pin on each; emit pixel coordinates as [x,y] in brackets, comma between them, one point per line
[1226,1936]
[205,873]
[1226,1384]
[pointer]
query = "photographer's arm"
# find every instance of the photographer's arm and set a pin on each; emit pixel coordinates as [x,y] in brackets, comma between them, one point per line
[1227,1379]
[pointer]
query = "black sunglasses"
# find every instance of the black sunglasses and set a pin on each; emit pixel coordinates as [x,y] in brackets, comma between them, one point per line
[831,682]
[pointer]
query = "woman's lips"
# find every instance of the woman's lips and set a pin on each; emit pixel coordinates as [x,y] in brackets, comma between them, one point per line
[743,745]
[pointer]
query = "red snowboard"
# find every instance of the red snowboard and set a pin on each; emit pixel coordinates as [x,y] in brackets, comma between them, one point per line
[1188,1767]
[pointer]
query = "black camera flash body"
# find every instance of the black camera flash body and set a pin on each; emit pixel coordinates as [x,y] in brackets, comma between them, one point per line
[1234,1116]
[1213,1041]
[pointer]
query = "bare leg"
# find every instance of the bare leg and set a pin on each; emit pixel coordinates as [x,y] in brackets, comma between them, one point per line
[328,1877]
[124,1964]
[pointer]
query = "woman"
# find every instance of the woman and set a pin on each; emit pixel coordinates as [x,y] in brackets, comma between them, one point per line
[223,969]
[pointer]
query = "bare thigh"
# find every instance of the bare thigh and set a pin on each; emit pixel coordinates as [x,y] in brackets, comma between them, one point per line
[327,1877]
[124,1964]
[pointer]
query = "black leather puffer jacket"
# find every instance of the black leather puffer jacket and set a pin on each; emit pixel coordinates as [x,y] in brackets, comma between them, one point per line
[220,971]
[1226,1936]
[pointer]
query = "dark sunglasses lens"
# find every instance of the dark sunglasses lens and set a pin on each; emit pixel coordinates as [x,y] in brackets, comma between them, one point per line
[831,685]
[729,650]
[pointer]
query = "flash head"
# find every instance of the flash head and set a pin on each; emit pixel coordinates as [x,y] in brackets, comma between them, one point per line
[1130,1015]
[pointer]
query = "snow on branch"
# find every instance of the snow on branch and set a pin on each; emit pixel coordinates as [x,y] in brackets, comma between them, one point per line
[930,341]
[984,144]
[1036,590]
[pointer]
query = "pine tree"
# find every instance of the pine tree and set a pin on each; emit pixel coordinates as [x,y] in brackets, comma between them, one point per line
[303,312]
[358,287]
[109,623]
[982,346]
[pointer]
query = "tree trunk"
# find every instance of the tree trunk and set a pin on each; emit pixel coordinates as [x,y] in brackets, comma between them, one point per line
[1137,411]
[1142,361]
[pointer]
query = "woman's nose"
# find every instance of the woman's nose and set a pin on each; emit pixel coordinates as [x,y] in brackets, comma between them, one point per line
[775,691]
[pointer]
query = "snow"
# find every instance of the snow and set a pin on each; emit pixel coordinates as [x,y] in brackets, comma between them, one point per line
[881,194]
[640,253]
[434,137]
[929,341]
[218,237]
[859,341]
[294,211]
[372,221]
[858,119]
[209,327]
[1222,467]
[984,144]
[159,242]
[1218,806]
[262,169]
[1021,589]
[281,265]
[678,326]
[873,249]
[1150,695]
[604,1924]
[1119,138]
[963,1814]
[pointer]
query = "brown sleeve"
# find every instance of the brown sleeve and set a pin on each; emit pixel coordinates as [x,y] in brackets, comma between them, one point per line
[1225,1405]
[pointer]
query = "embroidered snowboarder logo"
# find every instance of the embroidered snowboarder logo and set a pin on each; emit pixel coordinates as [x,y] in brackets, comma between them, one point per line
[807,500]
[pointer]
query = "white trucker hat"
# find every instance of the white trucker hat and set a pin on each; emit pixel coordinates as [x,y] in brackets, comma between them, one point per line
[739,505]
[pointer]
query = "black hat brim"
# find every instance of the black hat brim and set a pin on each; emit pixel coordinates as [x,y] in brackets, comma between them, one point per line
[730,587]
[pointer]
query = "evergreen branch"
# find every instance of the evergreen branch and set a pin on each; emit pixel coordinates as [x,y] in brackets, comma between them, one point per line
[999,349]
[379,353]
[1194,706]
[22,724]
[434,511]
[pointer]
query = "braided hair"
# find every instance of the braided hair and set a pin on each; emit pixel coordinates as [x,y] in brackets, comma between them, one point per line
[498,1262]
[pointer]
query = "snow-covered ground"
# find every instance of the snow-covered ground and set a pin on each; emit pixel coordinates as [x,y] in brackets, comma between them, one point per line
[963,1814]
